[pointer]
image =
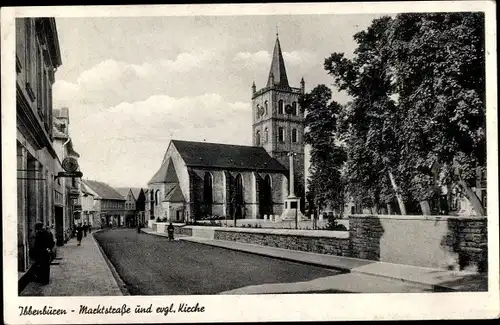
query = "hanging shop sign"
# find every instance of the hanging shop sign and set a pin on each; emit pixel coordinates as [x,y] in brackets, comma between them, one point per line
[70,164]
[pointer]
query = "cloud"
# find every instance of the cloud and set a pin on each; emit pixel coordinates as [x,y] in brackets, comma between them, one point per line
[302,59]
[111,82]
[130,138]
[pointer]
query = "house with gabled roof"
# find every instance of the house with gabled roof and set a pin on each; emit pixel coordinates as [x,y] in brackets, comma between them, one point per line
[134,204]
[111,205]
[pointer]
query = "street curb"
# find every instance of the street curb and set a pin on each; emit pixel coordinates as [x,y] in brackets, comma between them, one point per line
[119,282]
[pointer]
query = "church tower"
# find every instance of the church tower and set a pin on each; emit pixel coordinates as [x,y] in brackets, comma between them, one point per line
[278,123]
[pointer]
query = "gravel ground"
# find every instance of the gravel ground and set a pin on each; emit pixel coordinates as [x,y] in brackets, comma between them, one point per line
[151,265]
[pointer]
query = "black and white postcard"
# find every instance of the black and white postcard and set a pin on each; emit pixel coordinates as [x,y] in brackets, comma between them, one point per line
[250,162]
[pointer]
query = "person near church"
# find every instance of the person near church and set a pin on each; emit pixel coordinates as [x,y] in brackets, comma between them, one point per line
[79,234]
[42,253]
[170,231]
[85,228]
[90,228]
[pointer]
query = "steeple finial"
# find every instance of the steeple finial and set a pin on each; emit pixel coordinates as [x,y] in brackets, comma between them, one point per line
[277,31]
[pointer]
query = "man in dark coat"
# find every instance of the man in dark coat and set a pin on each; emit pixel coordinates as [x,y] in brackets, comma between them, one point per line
[170,231]
[79,234]
[85,228]
[44,242]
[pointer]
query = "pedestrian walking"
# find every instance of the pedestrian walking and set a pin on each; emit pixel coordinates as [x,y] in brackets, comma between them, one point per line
[79,234]
[90,228]
[170,231]
[85,228]
[42,253]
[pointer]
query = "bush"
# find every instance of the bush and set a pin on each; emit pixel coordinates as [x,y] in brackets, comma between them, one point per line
[334,225]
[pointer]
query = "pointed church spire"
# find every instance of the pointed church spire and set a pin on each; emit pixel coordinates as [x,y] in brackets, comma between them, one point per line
[277,73]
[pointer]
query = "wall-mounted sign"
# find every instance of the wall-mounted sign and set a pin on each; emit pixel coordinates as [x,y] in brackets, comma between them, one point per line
[70,174]
[70,164]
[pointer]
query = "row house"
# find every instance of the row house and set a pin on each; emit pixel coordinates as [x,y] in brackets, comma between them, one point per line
[67,204]
[134,205]
[110,204]
[90,206]
[38,192]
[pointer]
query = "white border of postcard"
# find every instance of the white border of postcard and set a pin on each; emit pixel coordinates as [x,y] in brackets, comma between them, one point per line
[250,308]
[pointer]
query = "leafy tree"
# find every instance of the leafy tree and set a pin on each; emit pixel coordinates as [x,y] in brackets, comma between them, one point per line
[370,120]
[327,155]
[439,67]
[418,100]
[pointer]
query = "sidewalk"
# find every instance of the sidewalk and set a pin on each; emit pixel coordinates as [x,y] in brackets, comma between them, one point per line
[77,271]
[427,279]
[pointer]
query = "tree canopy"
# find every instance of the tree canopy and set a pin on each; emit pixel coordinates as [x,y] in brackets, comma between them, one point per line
[417,84]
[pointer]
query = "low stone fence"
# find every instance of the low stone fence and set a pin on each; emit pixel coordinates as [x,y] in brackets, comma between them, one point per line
[263,223]
[444,242]
[316,241]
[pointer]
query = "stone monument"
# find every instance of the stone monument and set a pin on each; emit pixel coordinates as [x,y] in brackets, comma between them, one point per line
[292,202]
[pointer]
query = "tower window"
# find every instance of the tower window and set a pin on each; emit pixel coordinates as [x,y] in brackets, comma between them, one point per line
[257,111]
[257,138]
[266,104]
[294,135]
[266,135]
[280,106]
[294,108]
[281,134]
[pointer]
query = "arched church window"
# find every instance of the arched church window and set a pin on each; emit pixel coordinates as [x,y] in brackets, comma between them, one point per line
[268,181]
[294,135]
[294,109]
[257,138]
[157,197]
[266,105]
[266,135]
[257,111]
[280,106]
[239,189]
[208,193]
[281,134]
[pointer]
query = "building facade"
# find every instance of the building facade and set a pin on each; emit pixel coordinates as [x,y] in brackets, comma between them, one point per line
[68,205]
[134,205]
[109,204]
[37,59]
[197,180]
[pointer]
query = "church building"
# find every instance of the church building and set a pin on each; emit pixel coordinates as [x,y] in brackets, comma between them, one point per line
[200,179]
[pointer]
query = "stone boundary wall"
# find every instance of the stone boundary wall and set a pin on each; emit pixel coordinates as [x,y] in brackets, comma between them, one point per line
[333,245]
[444,242]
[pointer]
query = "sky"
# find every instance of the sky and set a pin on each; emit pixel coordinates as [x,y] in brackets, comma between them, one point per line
[134,83]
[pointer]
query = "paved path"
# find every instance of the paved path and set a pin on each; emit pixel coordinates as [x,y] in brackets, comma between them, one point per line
[81,271]
[151,265]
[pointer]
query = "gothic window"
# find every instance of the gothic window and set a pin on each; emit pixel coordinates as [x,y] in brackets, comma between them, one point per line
[156,196]
[280,106]
[266,135]
[208,193]
[266,105]
[257,138]
[294,135]
[239,189]
[281,134]
[294,109]
[257,111]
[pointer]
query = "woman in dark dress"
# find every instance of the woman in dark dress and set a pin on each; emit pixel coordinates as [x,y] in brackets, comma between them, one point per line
[79,234]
